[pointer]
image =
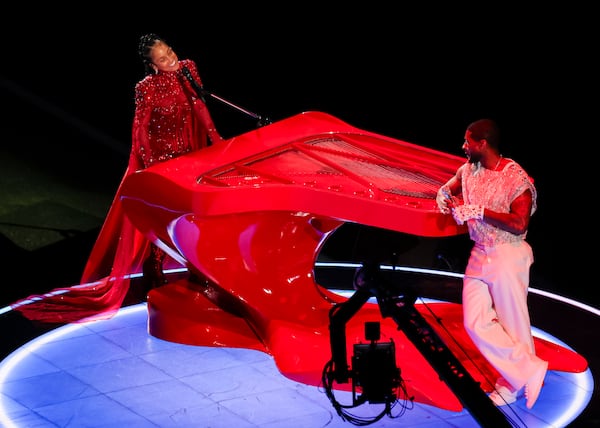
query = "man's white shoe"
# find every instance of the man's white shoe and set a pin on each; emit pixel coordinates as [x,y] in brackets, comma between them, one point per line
[534,384]
[502,396]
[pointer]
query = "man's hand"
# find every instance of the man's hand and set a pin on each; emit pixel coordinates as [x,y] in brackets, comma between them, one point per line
[442,198]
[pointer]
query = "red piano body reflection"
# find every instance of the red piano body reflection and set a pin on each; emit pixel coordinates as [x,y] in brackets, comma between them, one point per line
[252,214]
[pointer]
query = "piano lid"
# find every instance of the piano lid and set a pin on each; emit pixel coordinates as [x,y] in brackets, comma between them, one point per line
[311,162]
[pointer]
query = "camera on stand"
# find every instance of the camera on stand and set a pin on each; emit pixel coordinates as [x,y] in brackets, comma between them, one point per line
[375,376]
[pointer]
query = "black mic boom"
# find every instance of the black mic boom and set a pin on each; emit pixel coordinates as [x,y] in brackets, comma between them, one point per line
[197,87]
[202,93]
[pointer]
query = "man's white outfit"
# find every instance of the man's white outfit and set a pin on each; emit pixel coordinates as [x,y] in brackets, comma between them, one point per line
[496,280]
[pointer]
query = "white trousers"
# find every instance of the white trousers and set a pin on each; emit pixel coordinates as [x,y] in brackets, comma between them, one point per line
[495,310]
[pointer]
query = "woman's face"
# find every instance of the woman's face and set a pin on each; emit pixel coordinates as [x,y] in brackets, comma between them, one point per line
[164,58]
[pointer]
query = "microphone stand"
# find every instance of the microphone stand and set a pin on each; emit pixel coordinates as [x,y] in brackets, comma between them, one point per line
[262,121]
[202,93]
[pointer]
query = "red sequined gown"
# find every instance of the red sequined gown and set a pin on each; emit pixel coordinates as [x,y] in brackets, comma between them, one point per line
[170,120]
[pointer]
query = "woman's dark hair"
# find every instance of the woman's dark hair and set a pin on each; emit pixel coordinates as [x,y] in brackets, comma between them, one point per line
[145,45]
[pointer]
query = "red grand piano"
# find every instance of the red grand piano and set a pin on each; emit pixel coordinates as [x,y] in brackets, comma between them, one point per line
[252,214]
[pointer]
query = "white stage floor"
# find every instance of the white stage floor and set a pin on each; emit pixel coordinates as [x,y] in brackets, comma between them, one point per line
[112,373]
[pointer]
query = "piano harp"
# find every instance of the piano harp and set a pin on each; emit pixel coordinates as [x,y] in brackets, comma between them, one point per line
[251,215]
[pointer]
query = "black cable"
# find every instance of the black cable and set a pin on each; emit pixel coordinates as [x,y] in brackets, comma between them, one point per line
[327,382]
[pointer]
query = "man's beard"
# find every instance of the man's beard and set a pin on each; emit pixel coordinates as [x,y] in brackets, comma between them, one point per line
[473,158]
